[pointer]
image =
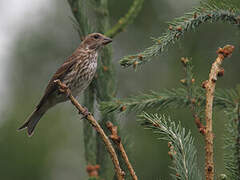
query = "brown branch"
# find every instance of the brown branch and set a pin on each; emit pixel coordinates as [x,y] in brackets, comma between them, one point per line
[117,140]
[210,85]
[64,89]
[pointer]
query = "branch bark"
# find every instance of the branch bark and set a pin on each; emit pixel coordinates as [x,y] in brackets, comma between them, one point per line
[117,140]
[63,88]
[210,85]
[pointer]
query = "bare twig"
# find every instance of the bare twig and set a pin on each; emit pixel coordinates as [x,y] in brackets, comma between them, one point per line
[117,140]
[63,88]
[209,85]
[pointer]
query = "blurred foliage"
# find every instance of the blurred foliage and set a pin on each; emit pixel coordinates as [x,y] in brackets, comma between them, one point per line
[56,149]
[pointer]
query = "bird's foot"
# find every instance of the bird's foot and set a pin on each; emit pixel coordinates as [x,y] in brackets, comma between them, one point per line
[85,113]
[63,88]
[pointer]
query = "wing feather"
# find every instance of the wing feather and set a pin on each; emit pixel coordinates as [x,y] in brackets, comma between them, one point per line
[59,74]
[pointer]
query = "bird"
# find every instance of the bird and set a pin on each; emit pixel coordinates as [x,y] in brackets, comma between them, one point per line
[76,73]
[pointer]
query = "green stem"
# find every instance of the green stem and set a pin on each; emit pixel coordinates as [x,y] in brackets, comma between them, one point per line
[238,140]
[78,8]
[105,85]
[89,140]
[127,19]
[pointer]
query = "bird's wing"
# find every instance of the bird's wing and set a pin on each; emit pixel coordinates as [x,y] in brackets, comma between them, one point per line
[59,74]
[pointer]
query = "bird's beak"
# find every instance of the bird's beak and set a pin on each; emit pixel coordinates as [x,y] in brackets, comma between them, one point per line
[106,40]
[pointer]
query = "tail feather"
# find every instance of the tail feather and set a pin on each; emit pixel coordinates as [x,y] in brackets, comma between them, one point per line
[32,121]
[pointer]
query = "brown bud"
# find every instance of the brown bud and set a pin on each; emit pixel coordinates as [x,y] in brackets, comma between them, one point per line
[123,108]
[169,144]
[221,72]
[92,170]
[193,80]
[109,125]
[226,50]
[202,130]
[170,27]
[105,68]
[140,56]
[184,61]
[204,84]
[183,81]
[135,64]
[179,28]
[193,101]
[195,15]
[75,9]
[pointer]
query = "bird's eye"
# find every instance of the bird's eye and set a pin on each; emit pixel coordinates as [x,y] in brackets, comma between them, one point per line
[96,36]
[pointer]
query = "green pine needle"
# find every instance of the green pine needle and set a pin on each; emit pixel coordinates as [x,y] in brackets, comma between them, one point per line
[183,150]
[232,143]
[211,12]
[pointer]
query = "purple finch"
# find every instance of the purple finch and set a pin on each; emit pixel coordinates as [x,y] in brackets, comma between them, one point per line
[76,73]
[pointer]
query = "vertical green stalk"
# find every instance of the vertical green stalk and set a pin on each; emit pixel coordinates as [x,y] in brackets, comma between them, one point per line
[79,10]
[94,14]
[238,139]
[88,133]
[105,85]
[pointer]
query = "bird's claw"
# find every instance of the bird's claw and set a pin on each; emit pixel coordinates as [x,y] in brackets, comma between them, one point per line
[85,113]
[63,88]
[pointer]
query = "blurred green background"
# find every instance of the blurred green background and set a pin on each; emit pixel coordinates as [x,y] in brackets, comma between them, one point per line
[39,41]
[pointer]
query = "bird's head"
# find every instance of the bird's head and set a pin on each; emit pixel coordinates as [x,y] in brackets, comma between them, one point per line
[95,41]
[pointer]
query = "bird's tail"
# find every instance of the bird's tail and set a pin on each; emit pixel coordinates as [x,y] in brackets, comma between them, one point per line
[32,121]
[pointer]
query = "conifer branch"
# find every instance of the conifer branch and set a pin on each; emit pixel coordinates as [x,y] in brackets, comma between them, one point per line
[212,11]
[127,19]
[232,143]
[195,101]
[174,98]
[157,100]
[183,152]
[64,89]
[210,85]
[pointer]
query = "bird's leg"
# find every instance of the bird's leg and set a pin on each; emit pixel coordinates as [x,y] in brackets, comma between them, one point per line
[85,113]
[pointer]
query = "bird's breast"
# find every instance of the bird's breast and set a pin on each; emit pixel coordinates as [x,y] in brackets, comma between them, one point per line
[82,74]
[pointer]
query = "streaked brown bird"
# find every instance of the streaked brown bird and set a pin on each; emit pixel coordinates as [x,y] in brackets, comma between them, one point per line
[76,72]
